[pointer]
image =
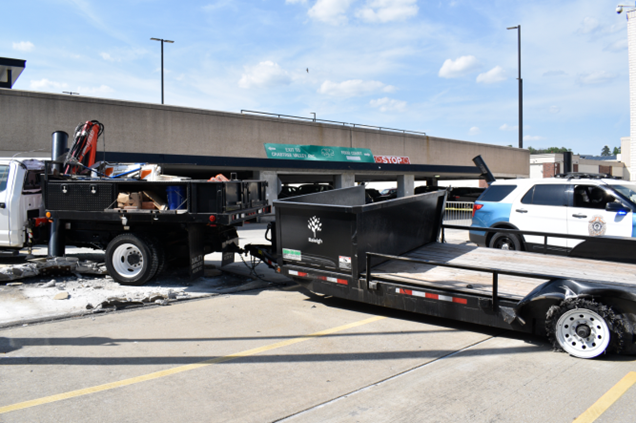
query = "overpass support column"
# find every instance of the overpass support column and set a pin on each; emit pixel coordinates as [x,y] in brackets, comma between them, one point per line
[405,185]
[345,180]
[273,184]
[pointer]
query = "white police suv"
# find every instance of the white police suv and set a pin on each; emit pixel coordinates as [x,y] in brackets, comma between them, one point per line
[575,204]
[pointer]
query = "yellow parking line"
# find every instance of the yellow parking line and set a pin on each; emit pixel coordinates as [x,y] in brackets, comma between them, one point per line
[605,402]
[168,372]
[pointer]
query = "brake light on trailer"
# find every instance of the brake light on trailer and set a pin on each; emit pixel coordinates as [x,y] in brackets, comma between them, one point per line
[476,207]
[212,218]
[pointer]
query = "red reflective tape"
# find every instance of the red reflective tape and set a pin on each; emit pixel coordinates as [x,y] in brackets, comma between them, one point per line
[302,274]
[322,278]
[432,296]
[343,282]
[460,300]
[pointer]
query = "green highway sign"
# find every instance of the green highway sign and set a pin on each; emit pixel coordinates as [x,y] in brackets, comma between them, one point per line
[318,152]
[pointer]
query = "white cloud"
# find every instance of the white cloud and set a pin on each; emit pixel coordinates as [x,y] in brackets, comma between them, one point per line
[330,11]
[619,45]
[108,57]
[588,25]
[353,88]
[474,131]
[458,67]
[387,104]
[496,74]
[554,109]
[102,89]
[554,73]
[533,138]
[265,74]
[506,127]
[45,84]
[387,10]
[217,5]
[23,46]
[595,78]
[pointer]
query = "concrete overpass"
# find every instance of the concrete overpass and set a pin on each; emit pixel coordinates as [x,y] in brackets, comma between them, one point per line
[222,142]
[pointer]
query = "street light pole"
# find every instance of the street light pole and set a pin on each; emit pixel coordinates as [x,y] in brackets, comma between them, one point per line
[162,41]
[518,28]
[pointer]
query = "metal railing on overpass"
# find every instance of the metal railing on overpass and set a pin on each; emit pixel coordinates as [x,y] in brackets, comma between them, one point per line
[314,119]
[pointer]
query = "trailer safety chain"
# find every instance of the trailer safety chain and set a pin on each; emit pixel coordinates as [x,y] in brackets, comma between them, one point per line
[255,262]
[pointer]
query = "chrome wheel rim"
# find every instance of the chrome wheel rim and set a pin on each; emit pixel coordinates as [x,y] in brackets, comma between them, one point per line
[582,333]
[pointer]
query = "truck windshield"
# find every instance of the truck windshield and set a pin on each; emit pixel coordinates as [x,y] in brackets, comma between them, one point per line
[628,190]
[4,176]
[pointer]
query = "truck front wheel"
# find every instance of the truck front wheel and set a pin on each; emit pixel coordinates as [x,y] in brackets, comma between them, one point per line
[131,260]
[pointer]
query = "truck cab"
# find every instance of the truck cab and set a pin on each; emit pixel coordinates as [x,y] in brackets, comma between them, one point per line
[20,200]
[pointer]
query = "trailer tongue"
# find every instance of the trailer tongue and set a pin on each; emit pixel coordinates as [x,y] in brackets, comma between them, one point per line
[387,254]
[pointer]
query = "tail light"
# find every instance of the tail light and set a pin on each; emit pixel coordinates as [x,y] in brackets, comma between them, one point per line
[476,207]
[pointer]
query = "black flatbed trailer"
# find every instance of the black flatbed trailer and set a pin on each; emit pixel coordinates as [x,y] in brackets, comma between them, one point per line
[388,254]
[139,242]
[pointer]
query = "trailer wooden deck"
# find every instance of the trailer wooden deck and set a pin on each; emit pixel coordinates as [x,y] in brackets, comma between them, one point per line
[512,287]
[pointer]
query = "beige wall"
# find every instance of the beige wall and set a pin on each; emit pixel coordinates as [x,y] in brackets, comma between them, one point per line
[27,120]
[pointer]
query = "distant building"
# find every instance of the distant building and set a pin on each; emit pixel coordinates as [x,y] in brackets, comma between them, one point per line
[550,164]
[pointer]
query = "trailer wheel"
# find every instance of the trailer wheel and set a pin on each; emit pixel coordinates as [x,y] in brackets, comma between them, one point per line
[505,241]
[584,328]
[131,260]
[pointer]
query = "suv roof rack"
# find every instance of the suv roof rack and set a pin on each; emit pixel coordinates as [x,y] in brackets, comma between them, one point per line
[582,175]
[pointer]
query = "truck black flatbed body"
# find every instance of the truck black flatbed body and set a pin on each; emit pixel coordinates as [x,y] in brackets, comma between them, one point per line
[180,221]
[230,202]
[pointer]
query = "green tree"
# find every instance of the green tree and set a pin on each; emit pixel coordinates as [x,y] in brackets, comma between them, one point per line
[617,150]
[549,150]
[605,151]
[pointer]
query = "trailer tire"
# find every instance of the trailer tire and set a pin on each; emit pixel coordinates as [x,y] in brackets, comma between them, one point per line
[584,328]
[131,260]
[504,241]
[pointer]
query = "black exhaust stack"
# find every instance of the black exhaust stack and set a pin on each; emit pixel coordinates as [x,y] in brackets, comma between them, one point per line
[59,145]
[485,172]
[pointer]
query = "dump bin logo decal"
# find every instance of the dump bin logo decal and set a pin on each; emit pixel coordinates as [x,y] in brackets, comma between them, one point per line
[315,225]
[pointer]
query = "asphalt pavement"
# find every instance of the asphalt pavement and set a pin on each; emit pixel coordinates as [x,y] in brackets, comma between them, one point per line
[272,352]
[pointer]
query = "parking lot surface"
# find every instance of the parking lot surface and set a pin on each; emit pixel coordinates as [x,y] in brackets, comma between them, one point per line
[276,354]
[258,351]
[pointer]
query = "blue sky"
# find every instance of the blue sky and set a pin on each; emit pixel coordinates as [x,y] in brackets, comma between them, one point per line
[447,68]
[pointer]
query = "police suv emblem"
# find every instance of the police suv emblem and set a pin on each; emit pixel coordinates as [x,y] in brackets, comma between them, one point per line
[597,226]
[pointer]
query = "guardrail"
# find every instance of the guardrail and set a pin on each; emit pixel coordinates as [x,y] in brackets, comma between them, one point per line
[313,119]
[459,212]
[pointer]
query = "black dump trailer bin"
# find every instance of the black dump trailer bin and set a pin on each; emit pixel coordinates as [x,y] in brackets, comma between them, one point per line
[330,232]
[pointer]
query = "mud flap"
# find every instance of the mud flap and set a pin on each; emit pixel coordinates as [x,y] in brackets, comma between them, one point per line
[195,250]
[227,258]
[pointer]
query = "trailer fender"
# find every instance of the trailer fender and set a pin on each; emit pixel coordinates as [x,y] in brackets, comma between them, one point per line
[554,292]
